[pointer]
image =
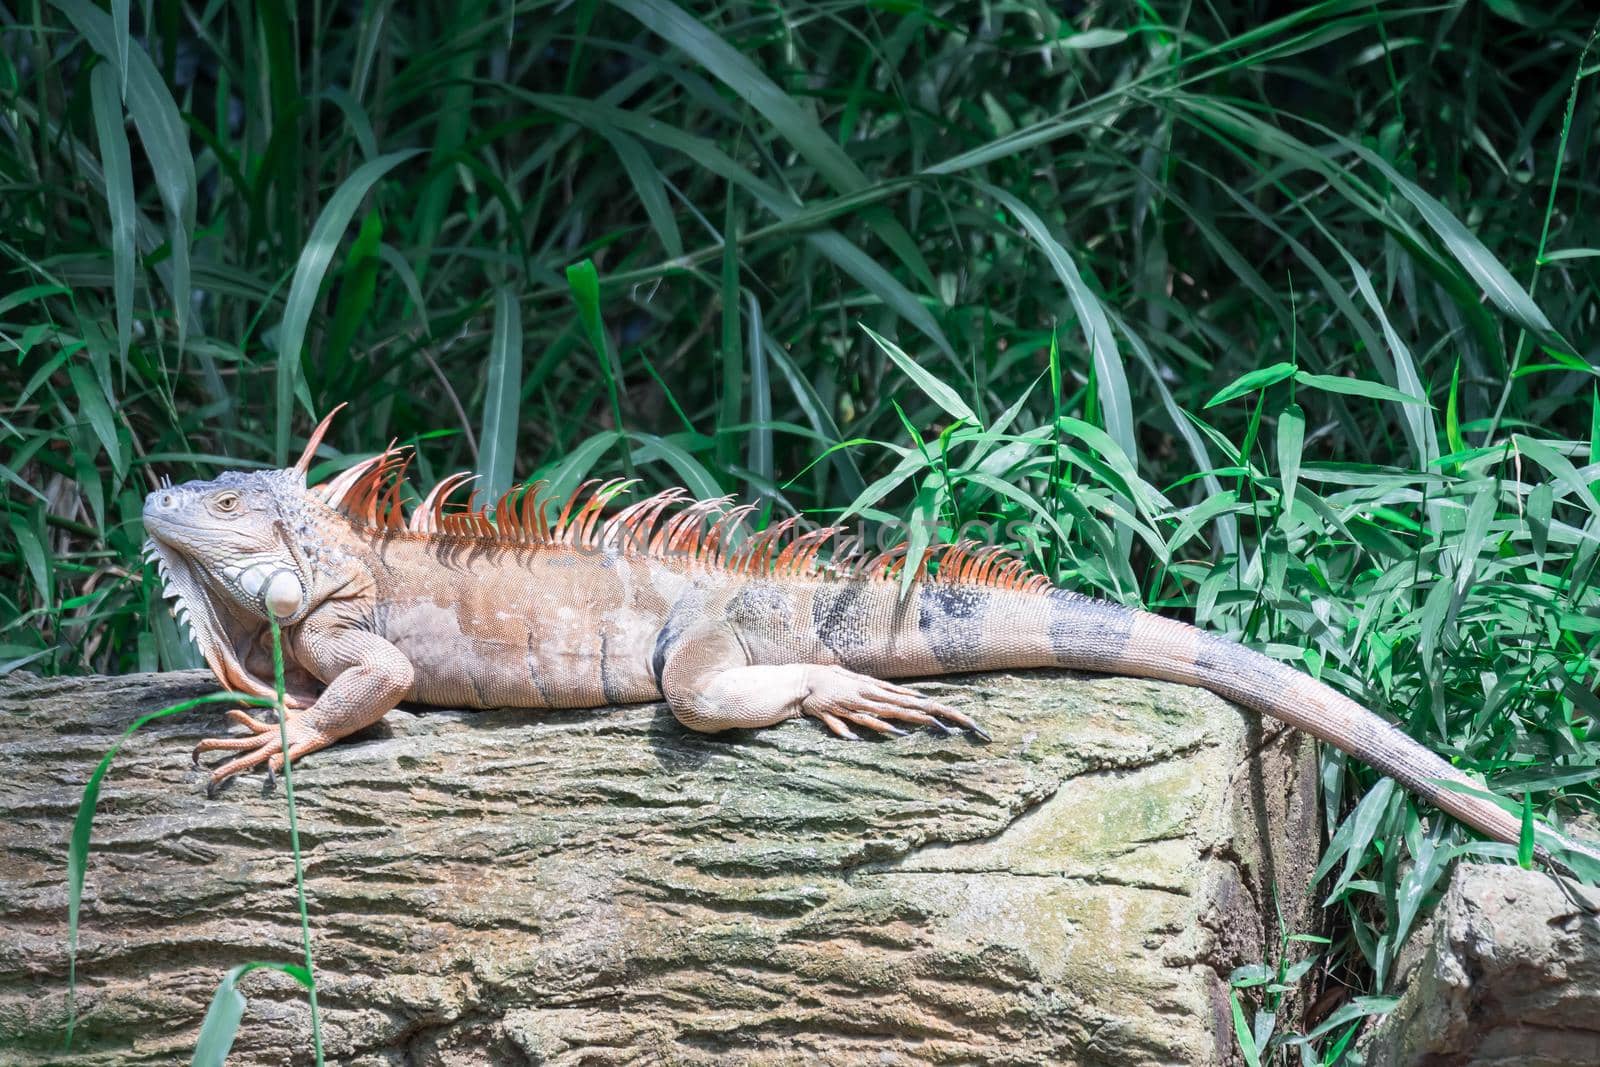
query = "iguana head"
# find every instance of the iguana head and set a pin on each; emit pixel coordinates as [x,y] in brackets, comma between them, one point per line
[228,539]
[232,553]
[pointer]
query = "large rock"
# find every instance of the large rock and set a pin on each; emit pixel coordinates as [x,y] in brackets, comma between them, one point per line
[1509,976]
[607,887]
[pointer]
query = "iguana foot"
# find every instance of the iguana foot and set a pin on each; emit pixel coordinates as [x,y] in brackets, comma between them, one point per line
[238,718]
[708,697]
[264,745]
[839,697]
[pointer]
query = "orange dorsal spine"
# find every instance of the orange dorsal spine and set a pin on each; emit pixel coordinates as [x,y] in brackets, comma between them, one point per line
[705,532]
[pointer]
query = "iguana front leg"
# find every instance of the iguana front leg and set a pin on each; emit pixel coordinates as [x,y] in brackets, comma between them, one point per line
[710,685]
[365,675]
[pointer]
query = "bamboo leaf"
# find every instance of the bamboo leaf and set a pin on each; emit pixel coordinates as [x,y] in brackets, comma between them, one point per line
[936,390]
[1570,253]
[1242,1032]
[1334,383]
[309,273]
[1291,443]
[1560,466]
[105,97]
[1350,841]
[1250,381]
[33,554]
[161,132]
[502,397]
[95,409]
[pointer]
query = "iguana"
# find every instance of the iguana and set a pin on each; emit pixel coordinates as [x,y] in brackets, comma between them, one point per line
[660,600]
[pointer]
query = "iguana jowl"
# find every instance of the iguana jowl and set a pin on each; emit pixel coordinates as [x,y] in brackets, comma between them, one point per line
[658,601]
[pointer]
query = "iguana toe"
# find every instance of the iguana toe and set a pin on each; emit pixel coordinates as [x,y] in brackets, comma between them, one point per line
[264,745]
[222,744]
[836,726]
[838,696]
[238,718]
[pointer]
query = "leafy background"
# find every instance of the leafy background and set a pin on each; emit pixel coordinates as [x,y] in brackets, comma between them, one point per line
[1277,319]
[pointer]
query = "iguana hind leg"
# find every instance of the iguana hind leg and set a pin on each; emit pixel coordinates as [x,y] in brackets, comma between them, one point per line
[710,686]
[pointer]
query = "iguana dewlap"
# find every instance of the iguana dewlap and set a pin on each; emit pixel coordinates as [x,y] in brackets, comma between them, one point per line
[658,601]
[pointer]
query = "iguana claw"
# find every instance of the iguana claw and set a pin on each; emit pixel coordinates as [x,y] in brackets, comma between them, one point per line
[264,745]
[838,697]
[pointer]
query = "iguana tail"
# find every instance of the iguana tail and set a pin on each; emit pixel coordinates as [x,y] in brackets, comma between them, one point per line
[966,628]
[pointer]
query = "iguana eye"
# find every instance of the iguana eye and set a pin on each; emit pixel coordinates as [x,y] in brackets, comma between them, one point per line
[227,502]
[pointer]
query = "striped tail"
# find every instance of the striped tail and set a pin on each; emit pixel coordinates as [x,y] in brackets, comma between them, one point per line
[1096,635]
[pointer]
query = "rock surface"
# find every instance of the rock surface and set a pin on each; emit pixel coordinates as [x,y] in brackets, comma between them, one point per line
[1509,976]
[606,887]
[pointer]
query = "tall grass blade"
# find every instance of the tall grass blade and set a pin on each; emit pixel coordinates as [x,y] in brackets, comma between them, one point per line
[119,26]
[106,101]
[936,390]
[651,189]
[759,445]
[310,975]
[306,287]
[502,398]
[1115,399]
[1504,291]
[78,844]
[221,1023]
[163,135]
[800,129]
[1291,446]
[732,355]
[584,282]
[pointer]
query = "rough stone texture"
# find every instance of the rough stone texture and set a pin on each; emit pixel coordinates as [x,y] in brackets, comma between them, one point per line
[1509,976]
[606,887]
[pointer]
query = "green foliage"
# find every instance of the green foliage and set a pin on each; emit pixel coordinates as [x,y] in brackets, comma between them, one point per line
[1311,299]
[221,1022]
[83,827]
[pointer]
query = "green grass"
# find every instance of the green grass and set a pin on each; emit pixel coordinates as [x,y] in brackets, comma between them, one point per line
[221,1024]
[1286,326]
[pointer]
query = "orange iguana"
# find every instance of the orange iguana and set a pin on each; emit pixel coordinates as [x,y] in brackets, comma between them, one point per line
[659,600]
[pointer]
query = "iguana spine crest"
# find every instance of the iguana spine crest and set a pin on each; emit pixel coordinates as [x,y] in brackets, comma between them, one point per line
[708,533]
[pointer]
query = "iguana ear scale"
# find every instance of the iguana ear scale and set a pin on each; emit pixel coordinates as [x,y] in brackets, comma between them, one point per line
[304,463]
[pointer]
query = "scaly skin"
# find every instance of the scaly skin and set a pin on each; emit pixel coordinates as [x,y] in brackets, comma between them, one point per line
[444,608]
